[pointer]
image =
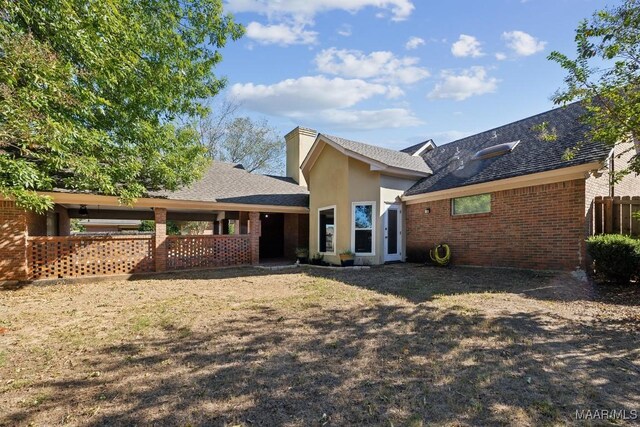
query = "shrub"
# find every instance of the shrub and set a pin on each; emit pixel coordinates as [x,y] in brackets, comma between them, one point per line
[616,257]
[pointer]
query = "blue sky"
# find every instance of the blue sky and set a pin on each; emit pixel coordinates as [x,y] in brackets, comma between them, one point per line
[397,72]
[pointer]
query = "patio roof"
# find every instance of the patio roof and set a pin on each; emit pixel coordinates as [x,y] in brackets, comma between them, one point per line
[231,183]
[224,186]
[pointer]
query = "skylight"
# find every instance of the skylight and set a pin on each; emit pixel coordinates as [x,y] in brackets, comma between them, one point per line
[495,150]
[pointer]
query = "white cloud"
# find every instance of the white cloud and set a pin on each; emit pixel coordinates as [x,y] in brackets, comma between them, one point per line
[522,43]
[324,100]
[466,46]
[344,30]
[282,34]
[307,9]
[470,82]
[501,56]
[414,43]
[368,119]
[381,66]
[307,93]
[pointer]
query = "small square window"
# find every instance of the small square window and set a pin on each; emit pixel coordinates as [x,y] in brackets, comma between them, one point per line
[471,204]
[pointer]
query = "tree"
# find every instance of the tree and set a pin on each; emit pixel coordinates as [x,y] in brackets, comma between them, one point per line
[147,225]
[254,143]
[605,76]
[90,91]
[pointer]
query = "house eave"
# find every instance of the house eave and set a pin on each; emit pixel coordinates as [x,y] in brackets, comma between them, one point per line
[540,178]
[172,204]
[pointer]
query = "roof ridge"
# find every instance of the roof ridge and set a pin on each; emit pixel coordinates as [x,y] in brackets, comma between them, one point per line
[365,143]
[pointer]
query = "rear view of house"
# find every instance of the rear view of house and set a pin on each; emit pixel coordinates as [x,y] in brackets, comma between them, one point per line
[506,197]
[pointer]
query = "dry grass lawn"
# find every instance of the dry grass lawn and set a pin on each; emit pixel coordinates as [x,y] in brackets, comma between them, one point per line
[395,345]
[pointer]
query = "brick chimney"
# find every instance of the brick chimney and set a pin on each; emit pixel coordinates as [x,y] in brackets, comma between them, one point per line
[299,142]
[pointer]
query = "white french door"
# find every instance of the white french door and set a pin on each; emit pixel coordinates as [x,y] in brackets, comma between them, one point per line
[393,233]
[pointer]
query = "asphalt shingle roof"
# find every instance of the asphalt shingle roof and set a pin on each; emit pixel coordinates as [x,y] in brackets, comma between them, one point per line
[392,158]
[532,154]
[230,183]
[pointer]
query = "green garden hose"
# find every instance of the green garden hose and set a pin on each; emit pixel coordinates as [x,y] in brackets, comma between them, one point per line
[435,256]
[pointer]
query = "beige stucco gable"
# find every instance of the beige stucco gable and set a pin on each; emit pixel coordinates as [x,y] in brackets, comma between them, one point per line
[338,181]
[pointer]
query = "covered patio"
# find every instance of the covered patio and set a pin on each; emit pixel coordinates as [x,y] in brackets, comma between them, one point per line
[235,219]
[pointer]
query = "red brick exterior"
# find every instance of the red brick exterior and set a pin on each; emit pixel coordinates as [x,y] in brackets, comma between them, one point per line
[160,217]
[539,227]
[296,233]
[30,258]
[13,242]
[60,257]
[255,230]
[185,252]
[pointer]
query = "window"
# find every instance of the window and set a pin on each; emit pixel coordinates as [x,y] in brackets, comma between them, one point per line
[362,238]
[471,204]
[327,230]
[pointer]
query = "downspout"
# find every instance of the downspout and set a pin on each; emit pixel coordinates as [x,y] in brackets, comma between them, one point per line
[612,171]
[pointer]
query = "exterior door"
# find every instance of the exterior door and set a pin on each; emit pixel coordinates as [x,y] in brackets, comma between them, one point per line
[393,234]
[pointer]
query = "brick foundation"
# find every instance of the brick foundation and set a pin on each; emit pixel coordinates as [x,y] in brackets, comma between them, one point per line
[539,227]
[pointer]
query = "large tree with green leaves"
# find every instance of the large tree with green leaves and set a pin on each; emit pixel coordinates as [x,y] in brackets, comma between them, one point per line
[90,91]
[605,75]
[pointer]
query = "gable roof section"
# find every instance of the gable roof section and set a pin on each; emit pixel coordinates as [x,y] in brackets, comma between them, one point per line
[231,183]
[419,148]
[532,154]
[380,159]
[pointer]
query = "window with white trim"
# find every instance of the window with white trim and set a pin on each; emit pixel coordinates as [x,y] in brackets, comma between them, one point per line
[480,203]
[327,230]
[363,225]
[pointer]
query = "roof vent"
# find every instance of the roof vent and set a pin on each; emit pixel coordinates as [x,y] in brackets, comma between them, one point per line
[495,150]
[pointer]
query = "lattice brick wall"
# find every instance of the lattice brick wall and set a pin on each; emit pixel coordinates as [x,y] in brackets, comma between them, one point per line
[207,251]
[58,257]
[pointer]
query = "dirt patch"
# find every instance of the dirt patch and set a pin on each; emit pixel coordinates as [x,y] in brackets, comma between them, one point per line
[396,345]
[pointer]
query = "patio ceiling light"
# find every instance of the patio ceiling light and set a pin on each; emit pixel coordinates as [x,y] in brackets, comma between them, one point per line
[83,211]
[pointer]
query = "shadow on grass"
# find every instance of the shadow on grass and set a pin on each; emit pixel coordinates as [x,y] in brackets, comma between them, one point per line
[419,283]
[374,365]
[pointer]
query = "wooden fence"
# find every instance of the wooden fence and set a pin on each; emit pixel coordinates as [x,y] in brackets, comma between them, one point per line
[78,256]
[617,215]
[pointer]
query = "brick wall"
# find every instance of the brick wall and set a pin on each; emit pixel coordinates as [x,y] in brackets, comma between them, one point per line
[539,227]
[296,233]
[184,252]
[39,257]
[59,257]
[13,242]
[255,231]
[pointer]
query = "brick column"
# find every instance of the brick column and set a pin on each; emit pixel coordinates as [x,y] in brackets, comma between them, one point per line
[160,217]
[255,230]
[13,242]
[64,222]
